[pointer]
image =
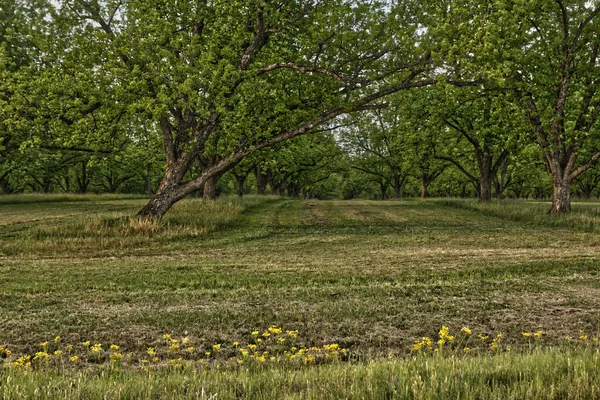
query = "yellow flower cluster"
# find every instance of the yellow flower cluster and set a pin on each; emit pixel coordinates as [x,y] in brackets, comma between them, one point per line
[425,343]
[537,335]
[272,345]
[445,339]
[495,346]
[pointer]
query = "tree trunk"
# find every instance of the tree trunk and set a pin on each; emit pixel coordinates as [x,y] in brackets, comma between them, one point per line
[397,187]
[424,187]
[83,180]
[210,188]
[5,185]
[261,181]
[160,203]
[169,192]
[46,184]
[383,191]
[485,189]
[240,180]
[485,176]
[561,202]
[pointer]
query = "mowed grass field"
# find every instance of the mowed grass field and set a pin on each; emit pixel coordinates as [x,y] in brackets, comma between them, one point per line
[373,277]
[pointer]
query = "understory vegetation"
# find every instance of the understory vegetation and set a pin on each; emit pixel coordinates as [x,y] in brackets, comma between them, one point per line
[268,297]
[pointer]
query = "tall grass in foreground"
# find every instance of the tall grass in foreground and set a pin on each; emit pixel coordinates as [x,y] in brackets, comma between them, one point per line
[542,374]
[584,216]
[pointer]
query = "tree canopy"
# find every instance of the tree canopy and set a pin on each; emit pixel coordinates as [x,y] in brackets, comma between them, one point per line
[172,98]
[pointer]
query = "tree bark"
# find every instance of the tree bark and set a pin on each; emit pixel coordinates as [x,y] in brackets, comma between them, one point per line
[561,201]
[160,203]
[5,185]
[210,188]
[485,187]
[261,181]
[383,191]
[397,187]
[240,180]
[424,186]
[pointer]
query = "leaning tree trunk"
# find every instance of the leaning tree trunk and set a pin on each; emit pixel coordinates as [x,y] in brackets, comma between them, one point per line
[170,191]
[161,202]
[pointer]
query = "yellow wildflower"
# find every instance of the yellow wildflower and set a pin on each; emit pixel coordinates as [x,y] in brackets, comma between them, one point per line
[495,342]
[74,359]
[190,349]
[86,343]
[255,333]
[526,334]
[114,347]
[57,339]
[41,354]
[275,330]
[216,347]
[445,334]
[466,331]
[236,344]
[58,353]
[185,340]
[151,351]
[419,345]
[292,334]
[43,345]
[538,334]
[97,348]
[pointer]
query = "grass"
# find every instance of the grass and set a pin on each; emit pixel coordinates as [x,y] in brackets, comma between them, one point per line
[370,276]
[584,217]
[549,374]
